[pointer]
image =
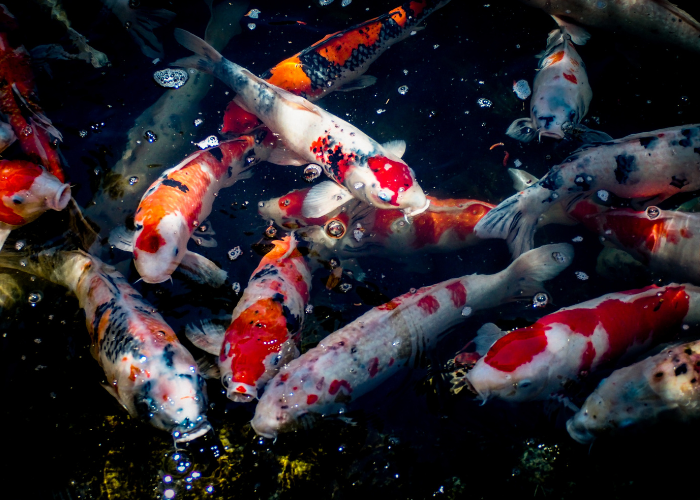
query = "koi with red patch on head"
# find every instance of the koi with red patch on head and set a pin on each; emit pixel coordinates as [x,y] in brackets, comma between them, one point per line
[561,93]
[538,361]
[27,191]
[181,199]
[358,357]
[18,102]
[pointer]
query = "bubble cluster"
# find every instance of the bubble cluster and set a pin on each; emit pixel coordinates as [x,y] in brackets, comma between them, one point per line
[345,287]
[522,89]
[483,102]
[133,180]
[236,287]
[210,142]
[581,275]
[150,136]
[234,253]
[171,78]
[309,309]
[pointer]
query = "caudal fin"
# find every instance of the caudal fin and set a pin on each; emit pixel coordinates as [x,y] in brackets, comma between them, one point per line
[512,220]
[526,274]
[207,57]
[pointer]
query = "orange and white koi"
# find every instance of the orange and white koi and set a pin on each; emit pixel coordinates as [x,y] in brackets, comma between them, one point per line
[265,326]
[175,205]
[561,92]
[355,359]
[646,168]
[361,167]
[663,387]
[27,191]
[147,369]
[539,361]
[338,61]
[19,103]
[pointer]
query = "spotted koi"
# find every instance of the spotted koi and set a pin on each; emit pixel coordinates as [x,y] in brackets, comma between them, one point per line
[18,102]
[539,361]
[147,369]
[646,168]
[355,359]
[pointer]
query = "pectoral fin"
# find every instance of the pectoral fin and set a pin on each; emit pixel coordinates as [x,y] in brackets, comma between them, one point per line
[324,198]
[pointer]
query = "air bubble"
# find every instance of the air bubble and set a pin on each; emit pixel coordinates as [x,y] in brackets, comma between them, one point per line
[198,122]
[335,229]
[603,195]
[309,309]
[380,111]
[466,311]
[34,297]
[358,185]
[653,213]
[171,78]
[581,275]
[522,89]
[234,253]
[403,89]
[270,232]
[577,239]
[82,134]
[210,142]
[345,287]
[251,26]
[20,244]
[540,300]
[312,172]
[133,180]
[483,102]
[150,136]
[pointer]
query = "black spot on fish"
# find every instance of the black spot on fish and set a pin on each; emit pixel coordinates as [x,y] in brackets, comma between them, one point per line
[176,184]
[680,370]
[168,354]
[659,374]
[551,181]
[648,142]
[278,297]
[625,166]
[547,121]
[143,401]
[268,270]
[293,321]
[216,153]
[679,183]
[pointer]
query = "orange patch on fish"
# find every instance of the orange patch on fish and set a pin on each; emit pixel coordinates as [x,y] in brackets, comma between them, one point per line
[342,48]
[571,78]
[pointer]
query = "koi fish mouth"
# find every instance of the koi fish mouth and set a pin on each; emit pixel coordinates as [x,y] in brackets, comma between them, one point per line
[408,212]
[200,430]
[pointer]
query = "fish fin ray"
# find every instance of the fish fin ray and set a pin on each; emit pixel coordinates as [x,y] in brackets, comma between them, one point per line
[209,337]
[486,336]
[358,83]
[201,270]
[396,147]
[324,198]
[525,274]
[122,238]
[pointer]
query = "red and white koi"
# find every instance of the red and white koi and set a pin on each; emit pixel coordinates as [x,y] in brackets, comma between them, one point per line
[265,326]
[355,359]
[147,369]
[19,103]
[178,202]
[338,61]
[561,92]
[647,168]
[361,167]
[27,191]
[538,361]
[662,387]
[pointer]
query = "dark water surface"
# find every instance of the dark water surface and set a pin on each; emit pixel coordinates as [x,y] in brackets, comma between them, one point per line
[65,437]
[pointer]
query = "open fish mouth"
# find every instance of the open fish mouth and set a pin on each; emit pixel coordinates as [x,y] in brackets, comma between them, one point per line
[189,435]
[410,212]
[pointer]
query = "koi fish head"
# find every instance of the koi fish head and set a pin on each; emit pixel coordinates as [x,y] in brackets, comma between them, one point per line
[170,393]
[28,190]
[286,210]
[515,368]
[392,185]
[159,246]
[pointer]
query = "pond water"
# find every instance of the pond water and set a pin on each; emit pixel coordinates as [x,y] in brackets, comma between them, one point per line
[67,438]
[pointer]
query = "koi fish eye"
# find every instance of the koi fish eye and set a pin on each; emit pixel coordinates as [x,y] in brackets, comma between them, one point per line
[261,204]
[17,199]
[653,213]
[335,229]
[250,159]
[286,202]
[540,300]
[524,384]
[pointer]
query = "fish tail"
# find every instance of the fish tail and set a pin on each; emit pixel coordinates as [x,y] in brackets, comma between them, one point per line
[207,58]
[524,276]
[54,264]
[513,220]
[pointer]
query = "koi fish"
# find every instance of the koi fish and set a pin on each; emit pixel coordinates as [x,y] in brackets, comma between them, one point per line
[26,192]
[664,386]
[10,292]
[266,324]
[539,361]
[355,359]
[561,92]
[147,369]
[664,240]
[178,202]
[658,20]
[19,104]
[338,61]
[361,167]
[647,167]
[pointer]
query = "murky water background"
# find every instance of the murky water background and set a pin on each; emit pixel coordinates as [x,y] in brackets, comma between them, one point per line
[65,437]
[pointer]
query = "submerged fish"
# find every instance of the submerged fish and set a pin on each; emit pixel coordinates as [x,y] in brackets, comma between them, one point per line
[660,388]
[664,240]
[7,136]
[19,103]
[10,292]
[561,93]
[27,191]
[647,167]
[147,369]
[539,361]
[360,167]
[657,20]
[338,61]
[355,359]
[265,325]
[140,22]
[179,201]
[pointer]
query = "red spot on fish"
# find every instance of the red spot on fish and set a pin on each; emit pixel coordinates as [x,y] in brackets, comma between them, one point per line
[588,357]
[241,389]
[284,377]
[571,78]
[311,399]
[135,370]
[429,304]
[391,361]
[686,233]
[390,174]
[149,239]
[517,348]
[238,121]
[337,384]
[373,367]
[15,176]
[458,293]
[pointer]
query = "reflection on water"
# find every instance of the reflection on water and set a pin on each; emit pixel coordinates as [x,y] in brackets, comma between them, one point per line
[448,91]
